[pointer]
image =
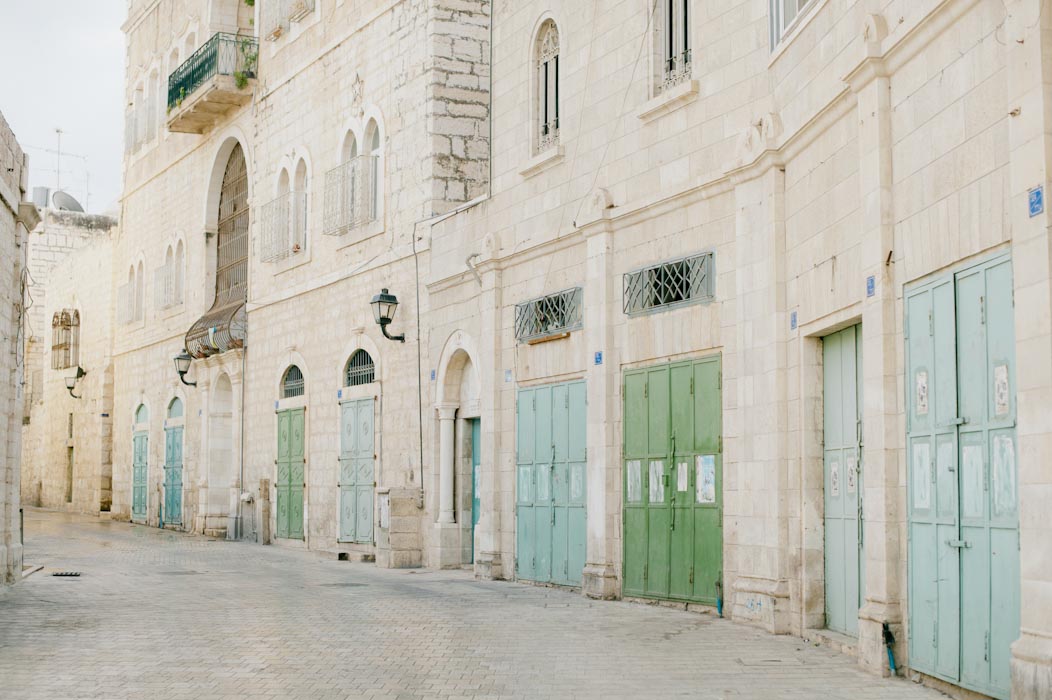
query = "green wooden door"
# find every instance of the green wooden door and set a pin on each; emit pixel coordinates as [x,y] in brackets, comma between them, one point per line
[551,491]
[673,529]
[963,499]
[476,463]
[357,470]
[140,472]
[842,401]
[173,476]
[291,469]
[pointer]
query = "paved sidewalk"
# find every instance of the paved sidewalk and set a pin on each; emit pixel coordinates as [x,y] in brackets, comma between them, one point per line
[158,614]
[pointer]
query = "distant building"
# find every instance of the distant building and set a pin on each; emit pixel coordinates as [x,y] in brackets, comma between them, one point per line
[17,217]
[66,434]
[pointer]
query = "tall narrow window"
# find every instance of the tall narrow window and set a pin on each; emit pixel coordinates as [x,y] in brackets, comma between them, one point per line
[676,42]
[180,266]
[548,86]
[74,339]
[783,14]
[375,169]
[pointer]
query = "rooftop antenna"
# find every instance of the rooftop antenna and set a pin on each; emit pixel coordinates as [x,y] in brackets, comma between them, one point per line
[58,159]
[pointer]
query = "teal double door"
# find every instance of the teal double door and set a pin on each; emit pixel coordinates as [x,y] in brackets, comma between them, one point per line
[357,471]
[673,482]
[964,582]
[140,474]
[842,457]
[476,468]
[551,482]
[291,473]
[172,513]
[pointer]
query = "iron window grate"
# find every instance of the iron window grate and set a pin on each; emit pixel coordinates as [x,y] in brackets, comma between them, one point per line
[360,369]
[292,384]
[673,283]
[548,315]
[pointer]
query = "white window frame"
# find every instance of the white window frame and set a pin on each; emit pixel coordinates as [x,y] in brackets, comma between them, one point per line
[547,81]
[676,46]
[780,26]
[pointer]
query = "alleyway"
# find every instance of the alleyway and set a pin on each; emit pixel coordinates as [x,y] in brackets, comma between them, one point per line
[164,615]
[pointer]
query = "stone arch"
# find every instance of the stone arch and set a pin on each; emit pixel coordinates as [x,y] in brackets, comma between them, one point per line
[221,468]
[353,133]
[458,372]
[360,341]
[231,138]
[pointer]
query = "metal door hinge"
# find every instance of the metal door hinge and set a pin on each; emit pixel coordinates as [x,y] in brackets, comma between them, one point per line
[719,444]
[645,570]
[646,389]
[959,544]
[692,385]
[986,646]
[931,324]
[692,575]
[982,310]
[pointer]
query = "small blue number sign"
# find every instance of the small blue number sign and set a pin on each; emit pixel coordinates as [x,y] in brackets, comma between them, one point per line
[1036,200]
[599,357]
[792,321]
[871,286]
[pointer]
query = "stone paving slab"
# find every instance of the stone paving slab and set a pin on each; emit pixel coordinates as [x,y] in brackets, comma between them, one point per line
[159,614]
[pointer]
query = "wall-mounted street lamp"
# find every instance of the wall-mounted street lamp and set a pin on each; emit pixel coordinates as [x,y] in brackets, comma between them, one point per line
[384,307]
[71,382]
[182,366]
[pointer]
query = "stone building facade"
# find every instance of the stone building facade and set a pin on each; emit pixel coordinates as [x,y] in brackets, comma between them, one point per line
[17,218]
[68,329]
[739,305]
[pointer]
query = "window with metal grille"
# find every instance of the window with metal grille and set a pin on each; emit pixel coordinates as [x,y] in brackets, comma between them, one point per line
[677,282]
[548,86]
[360,369]
[676,52]
[549,315]
[292,383]
[65,339]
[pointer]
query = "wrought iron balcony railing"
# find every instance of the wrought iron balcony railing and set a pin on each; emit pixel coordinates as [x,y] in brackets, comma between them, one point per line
[549,315]
[350,195]
[667,284]
[223,54]
[283,224]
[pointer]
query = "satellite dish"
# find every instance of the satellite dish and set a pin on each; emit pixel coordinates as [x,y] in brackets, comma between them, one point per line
[65,202]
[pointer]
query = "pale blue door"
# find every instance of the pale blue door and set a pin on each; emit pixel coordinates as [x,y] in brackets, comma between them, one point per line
[476,493]
[357,480]
[551,483]
[173,476]
[842,403]
[963,495]
[139,476]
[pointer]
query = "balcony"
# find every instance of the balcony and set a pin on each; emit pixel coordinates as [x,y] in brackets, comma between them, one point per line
[283,227]
[216,79]
[350,195]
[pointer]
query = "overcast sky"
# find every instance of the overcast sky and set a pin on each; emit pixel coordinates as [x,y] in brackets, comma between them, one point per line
[63,66]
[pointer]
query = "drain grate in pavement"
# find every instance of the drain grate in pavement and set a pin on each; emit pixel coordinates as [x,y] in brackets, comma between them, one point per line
[67,574]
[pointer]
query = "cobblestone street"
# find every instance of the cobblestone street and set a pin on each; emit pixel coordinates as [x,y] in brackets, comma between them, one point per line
[161,614]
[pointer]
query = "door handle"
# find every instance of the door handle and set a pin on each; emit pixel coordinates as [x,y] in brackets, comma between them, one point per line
[959,544]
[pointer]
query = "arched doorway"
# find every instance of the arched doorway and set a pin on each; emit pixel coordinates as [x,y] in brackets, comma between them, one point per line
[172,504]
[220,455]
[357,479]
[140,464]
[290,479]
[460,463]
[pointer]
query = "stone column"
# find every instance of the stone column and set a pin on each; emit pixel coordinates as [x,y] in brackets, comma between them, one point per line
[203,450]
[600,579]
[882,493]
[494,477]
[447,456]
[234,516]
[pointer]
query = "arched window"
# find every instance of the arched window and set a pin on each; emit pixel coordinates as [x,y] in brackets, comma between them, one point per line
[140,282]
[74,340]
[292,383]
[142,414]
[191,45]
[360,369]
[61,339]
[175,408]
[153,99]
[548,86]
[140,116]
[298,226]
[374,170]
[180,271]
[164,281]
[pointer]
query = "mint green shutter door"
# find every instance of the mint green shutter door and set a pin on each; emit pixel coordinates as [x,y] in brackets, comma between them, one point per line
[543,507]
[843,482]
[635,427]
[964,547]
[283,473]
[365,478]
[297,473]
[707,478]
[524,516]
[476,465]
[560,541]
[348,471]
[656,483]
[139,475]
[577,514]
[173,476]
[680,493]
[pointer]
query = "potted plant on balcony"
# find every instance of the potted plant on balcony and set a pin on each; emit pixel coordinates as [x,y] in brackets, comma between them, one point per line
[249,57]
